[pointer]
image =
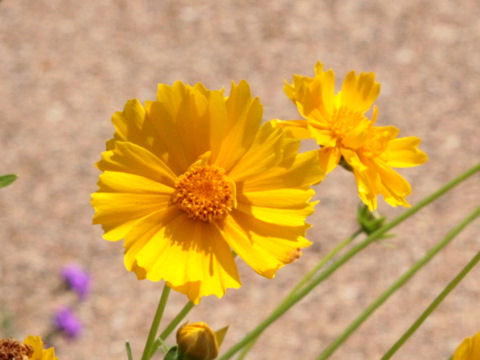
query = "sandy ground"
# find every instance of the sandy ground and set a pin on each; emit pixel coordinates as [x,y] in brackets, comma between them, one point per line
[66,66]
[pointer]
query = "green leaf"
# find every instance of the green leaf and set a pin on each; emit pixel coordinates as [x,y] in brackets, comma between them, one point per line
[172,354]
[7,179]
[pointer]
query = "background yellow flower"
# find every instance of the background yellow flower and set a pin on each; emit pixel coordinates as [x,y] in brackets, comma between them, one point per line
[39,353]
[193,175]
[469,349]
[337,122]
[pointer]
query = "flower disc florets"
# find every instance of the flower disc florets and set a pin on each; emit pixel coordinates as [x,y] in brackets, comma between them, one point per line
[204,193]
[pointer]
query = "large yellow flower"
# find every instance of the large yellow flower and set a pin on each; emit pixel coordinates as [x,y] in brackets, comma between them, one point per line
[339,125]
[194,175]
[469,349]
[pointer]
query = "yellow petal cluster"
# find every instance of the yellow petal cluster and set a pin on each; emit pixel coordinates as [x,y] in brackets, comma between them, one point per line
[39,353]
[193,175]
[469,349]
[338,123]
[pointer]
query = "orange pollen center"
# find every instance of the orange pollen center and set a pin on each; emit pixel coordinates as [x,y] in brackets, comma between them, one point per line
[204,193]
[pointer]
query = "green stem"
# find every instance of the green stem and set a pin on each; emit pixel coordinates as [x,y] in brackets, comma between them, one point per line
[147,352]
[129,350]
[305,280]
[322,262]
[173,324]
[279,311]
[432,306]
[397,284]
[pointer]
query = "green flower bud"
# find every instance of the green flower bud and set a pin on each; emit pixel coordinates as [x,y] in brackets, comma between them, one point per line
[370,221]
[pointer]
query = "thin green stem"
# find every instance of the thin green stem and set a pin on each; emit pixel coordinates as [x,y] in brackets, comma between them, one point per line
[432,306]
[129,350]
[147,352]
[279,311]
[397,284]
[324,260]
[247,348]
[173,324]
[305,280]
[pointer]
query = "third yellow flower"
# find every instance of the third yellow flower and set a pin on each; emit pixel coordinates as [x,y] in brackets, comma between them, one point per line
[339,125]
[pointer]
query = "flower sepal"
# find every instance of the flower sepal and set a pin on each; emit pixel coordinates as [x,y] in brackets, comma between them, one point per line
[371,221]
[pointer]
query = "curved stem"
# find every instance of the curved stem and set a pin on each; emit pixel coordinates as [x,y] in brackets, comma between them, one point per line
[432,306]
[147,351]
[305,280]
[173,324]
[397,284]
[322,262]
[279,311]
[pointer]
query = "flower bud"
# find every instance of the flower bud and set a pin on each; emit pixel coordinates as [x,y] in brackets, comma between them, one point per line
[371,221]
[197,342]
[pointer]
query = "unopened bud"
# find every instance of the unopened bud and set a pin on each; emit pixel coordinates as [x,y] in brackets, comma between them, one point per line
[197,342]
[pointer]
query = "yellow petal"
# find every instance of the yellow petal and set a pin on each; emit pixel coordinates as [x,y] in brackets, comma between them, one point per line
[244,114]
[323,136]
[207,264]
[217,122]
[269,148]
[366,187]
[130,158]
[393,186]
[39,353]
[328,158]
[295,128]
[357,137]
[278,198]
[129,124]
[304,172]
[359,92]
[114,181]
[119,212]
[272,215]
[469,349]
[403,152]
[171,138]
[264,247]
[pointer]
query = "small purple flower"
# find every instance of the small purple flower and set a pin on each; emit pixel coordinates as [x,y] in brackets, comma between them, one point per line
[65,321]
[76,280]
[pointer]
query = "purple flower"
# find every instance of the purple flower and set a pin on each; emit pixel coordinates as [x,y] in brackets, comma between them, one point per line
[76,280]
[65,321]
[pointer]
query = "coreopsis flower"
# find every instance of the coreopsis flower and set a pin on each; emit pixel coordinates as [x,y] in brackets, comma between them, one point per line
[197,341]
[194,175]
[30,349]
[76,279]
[469,349]
[338,123]
[65,321]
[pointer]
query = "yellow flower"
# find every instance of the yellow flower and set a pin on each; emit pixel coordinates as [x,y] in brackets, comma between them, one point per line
[194,175]
[337,122]
[469,349]
[31,349]
[197,341]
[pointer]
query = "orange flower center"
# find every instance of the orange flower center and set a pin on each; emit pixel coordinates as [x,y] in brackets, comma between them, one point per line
[204,193]
[12,349]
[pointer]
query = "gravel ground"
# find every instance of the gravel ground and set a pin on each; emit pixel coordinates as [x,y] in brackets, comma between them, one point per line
[66,66]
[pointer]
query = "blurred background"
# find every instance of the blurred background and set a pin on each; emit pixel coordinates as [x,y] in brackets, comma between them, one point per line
[66,66]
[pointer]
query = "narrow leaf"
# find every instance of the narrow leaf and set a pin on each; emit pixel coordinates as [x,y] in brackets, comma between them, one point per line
[7,179]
